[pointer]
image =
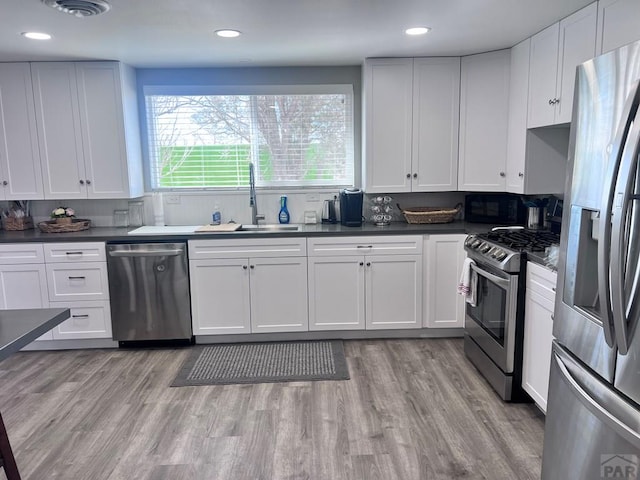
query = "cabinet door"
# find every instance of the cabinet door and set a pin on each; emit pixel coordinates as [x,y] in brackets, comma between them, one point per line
[102,127]
[279,295]
[220,296]
[87,320]
[543,77]
[517,130]
[436,117]
[443,307]
[393,291]
[20,171]
[388,98]
[59,133]
[24,286]
[577,45]
[617,24]
[484,108]
[536,361]
[336,293]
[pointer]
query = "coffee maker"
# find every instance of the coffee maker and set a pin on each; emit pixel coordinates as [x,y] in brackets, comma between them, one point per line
[351,207]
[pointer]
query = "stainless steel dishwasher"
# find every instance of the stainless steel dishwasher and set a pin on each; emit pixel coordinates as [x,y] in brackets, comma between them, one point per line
[149,291]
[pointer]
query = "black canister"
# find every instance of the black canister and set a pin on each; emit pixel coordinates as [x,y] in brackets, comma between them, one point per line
[351,207]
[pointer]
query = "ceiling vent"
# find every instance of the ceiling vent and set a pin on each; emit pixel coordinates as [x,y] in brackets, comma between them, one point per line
[79,8]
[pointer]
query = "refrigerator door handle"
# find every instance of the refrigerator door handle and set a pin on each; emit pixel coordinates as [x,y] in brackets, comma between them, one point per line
[619,241]
[618,415]
[606,210]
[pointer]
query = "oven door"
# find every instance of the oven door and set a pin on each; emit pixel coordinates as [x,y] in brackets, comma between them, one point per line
[492,322]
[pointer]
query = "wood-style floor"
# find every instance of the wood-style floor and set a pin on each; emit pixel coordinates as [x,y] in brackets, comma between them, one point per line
[413,409]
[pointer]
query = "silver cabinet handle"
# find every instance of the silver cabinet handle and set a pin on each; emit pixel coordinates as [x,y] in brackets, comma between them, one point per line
[244,267]
[77,278]
[252,267]
[73,253]
[364,246]
[605,231]
[415,175]
[361,264]
[520,174]
[5,183]
[146,253]
[408,175]
[88,182]
[368,264]
[79,316]
[626,179]
[81,182]
[502,174]
[618,415]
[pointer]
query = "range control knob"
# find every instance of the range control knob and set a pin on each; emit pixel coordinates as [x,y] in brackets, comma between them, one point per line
[476,243]
[501,255]
[485,248]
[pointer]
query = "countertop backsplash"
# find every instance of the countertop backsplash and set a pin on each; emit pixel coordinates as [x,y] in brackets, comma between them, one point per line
[197,208]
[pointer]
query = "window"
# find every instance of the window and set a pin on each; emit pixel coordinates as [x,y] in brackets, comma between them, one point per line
[296,136]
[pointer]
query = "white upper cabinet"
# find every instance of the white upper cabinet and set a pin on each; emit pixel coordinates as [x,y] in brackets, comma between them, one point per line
[617,24]
[517,130]
[411,124]
[88,129]
[388,100]
[555,53]
[484,106]
[20,173]
[436,117]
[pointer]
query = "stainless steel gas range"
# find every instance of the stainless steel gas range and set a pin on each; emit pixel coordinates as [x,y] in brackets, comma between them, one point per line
[494,327]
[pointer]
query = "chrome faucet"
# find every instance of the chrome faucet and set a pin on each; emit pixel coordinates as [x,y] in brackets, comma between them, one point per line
[255,216]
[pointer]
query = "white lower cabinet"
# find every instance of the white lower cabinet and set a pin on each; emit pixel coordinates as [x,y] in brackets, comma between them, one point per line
[538,328]
[91,319]
[24,286]
[80,284]
[248,286]
[365,282]
[336,293]
[443,307]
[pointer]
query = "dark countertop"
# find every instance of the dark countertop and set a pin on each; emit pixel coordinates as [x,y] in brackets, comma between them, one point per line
[21,327]
[540,258]
[111,234]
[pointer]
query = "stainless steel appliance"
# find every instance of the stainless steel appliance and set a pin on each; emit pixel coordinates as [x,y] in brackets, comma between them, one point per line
[593,412]
[494,326]
[351,207]
[494,208]
[149,289]
[329,211]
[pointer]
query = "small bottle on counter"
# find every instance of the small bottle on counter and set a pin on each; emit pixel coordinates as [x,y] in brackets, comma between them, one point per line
[283,216]
[216,218]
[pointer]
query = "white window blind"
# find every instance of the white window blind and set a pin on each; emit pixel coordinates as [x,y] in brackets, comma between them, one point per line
[295,136]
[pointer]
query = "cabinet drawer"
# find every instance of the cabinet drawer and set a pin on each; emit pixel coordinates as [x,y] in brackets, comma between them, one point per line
[243,248]
[367,245]
[74,252]
[80,281]
[87,320]
[19,253]
[541,280]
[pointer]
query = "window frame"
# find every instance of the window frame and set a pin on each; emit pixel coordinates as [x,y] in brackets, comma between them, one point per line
[249,89]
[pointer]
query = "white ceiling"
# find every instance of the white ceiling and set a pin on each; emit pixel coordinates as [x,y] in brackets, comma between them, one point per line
[179,33]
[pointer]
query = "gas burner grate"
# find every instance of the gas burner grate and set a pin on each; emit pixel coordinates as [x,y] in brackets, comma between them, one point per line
[523,240]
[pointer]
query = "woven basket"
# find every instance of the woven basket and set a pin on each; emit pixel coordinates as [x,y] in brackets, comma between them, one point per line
[76,225]
[431,214]
[14,224]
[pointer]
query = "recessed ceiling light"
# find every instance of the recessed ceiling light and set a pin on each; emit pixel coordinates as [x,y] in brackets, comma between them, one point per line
[417,30]
[228,33]
[37,35]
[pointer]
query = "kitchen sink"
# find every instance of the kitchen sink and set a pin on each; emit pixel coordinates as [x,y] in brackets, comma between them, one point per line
[276,227]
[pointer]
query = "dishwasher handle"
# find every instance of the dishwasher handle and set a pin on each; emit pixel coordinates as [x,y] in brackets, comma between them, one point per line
[146,253]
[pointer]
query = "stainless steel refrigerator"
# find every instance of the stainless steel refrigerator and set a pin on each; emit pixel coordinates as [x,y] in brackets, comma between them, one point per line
[592,427]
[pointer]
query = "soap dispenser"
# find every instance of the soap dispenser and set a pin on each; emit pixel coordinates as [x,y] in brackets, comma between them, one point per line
[283,216]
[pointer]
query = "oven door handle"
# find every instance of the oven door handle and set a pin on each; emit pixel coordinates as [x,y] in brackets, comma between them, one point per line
[502,282]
